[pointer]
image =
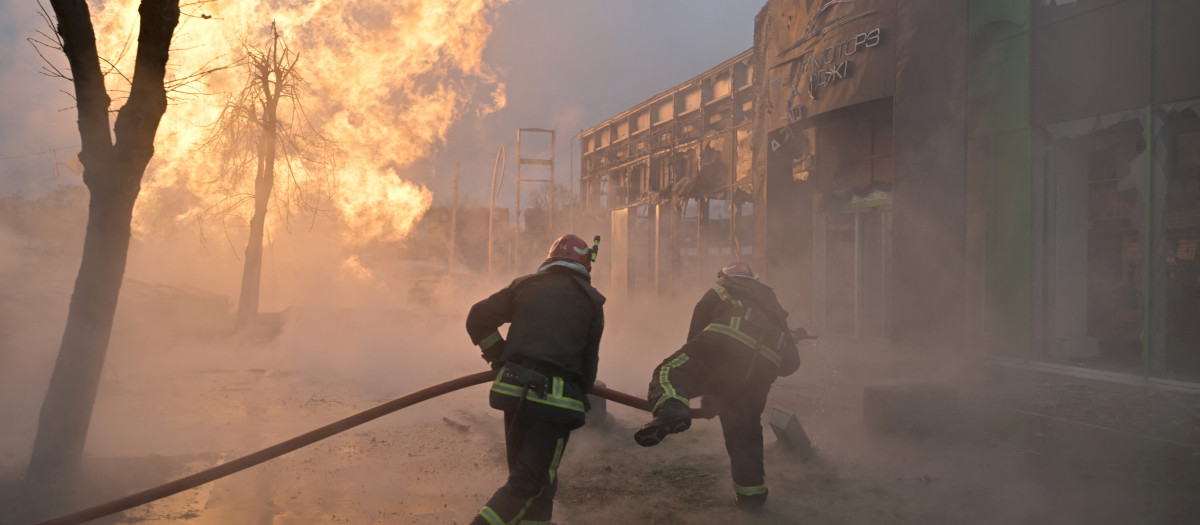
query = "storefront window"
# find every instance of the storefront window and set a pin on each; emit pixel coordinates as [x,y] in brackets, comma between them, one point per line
[1122,232]
[1096,184]
[1182,127]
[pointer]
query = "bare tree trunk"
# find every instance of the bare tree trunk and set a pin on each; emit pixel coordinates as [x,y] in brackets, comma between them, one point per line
[264,183]
[113,174]
[252,268]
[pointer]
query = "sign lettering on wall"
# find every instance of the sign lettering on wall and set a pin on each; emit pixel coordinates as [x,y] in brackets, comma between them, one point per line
[827,57]
[826,66]
[823,68]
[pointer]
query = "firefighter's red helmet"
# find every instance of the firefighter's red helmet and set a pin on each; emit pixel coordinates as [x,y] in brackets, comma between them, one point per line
[737,269]
[571,248]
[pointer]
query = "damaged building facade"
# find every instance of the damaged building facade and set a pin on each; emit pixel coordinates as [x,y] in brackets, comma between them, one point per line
[1019,178]
[670,179]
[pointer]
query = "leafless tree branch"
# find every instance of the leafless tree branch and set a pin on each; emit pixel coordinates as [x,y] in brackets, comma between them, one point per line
[272,71]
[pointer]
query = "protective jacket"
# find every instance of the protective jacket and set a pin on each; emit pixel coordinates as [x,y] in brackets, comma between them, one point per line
[556,318]
[747,311]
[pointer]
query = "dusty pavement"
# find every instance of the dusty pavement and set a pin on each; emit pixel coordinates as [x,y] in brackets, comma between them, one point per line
[185,403]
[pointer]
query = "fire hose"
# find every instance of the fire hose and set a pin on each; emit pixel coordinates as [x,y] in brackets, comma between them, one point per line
[313,436]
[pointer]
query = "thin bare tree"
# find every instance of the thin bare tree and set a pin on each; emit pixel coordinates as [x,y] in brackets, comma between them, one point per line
[262,125]
[114,158]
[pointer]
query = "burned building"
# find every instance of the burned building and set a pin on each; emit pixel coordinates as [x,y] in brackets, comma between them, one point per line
[670,179]
[1014,176]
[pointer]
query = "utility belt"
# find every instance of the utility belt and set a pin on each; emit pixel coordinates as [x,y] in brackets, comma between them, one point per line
[538,390]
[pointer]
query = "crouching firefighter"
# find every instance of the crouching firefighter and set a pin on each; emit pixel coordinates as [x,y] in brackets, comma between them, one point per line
[738,343]
[546,366]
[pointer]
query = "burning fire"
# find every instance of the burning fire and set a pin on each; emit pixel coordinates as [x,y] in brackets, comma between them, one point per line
[388,79]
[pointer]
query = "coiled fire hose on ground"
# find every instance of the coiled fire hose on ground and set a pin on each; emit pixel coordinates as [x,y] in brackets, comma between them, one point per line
[308,438]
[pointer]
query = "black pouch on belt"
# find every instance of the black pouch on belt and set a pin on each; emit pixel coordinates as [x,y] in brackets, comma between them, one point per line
[515,374]
[538,397]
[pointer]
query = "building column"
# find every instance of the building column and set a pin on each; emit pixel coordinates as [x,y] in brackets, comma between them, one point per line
[929,289]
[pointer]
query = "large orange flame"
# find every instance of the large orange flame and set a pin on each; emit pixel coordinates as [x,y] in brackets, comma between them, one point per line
[388,78]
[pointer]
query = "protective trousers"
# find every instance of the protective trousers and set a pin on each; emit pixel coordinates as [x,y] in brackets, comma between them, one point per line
[710,365]
[534,448]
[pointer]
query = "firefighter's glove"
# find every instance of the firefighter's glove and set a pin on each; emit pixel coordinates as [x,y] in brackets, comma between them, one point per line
[492,354]
[800,334]
[790,354]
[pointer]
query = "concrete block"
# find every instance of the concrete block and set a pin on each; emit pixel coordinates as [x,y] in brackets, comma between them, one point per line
[789,431]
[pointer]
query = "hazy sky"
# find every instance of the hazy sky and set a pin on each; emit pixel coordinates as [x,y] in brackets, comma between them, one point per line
[567,65]
[31,116]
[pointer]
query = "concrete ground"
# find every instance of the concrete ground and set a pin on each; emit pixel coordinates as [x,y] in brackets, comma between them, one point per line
[1012,447]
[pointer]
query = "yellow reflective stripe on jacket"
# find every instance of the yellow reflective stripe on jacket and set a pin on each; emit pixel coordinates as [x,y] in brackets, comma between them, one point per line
[733,330]
[724,295]
[490,516]
[490,340]
[721,292]
[750,491]
[664,381]
[553,398]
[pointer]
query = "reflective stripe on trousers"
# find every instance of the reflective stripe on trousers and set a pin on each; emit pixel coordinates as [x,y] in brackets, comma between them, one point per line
[664,381]
[750,491]
[493,518]
[490,516]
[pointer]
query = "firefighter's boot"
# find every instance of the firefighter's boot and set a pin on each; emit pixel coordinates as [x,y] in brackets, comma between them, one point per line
[751,503]
[671,417]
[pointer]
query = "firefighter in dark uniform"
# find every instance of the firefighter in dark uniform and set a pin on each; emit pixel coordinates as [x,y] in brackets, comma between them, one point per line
[738,344]
[546,366]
